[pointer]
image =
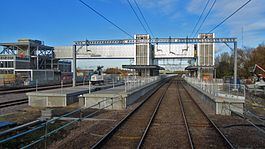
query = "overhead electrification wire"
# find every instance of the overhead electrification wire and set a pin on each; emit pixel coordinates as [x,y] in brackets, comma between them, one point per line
[137,16]
[138,7]
[205,17]
[101,15]
[200,18]
[229,16]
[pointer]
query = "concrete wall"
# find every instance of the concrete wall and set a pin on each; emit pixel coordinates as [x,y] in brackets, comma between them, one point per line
[136,94]
[48,101]
[121,99]
[105,100]
[216,105]
[60,98]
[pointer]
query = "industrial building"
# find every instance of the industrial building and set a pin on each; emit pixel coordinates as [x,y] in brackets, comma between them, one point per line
[27,61]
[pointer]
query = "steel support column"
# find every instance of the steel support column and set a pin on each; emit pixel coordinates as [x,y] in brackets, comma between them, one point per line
[74,65]
[235,64]
[37,54]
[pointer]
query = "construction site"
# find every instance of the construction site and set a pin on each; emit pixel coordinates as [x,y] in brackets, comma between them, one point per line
[173,92]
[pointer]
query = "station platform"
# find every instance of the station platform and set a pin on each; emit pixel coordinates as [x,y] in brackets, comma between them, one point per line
[61,97]
[119,98]
[219,101]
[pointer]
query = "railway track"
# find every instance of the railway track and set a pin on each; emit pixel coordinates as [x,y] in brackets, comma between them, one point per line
[13,103]
[201,130]
[170,118]
[24,90]
[130,131]
[168,128]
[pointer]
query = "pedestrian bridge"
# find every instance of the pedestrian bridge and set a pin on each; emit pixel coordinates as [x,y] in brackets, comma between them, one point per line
[160,51]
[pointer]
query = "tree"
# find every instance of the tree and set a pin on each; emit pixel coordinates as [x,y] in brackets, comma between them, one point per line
[224,65]
[243,60]
[247,58]
[258,56]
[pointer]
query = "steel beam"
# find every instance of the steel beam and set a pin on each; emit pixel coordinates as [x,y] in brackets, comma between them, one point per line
[155,40]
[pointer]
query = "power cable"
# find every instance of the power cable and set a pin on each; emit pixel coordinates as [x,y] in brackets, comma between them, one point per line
[205,17]
[229,16]
[143,17]
[101,15]
[137,16]
[200,17]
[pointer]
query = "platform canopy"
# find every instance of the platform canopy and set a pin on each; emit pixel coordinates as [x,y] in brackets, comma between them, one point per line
[143,67]
[194,68]
[145,70]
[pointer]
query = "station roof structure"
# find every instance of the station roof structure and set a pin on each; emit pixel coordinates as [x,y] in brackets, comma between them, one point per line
[197,67]
[143,67]
[26,42]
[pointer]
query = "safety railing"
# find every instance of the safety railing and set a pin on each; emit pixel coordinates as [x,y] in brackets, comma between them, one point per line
[134,82]
[44,127]
[217,88]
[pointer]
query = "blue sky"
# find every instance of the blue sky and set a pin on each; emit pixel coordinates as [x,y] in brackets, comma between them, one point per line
[59,22]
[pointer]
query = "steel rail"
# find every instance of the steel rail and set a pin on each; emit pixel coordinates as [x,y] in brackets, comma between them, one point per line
[109,134]
[152,117]
[226,140]
[29,124]
[13,103]
[65,125]
[43,124]
[249,121]
[28,89]
[185,118]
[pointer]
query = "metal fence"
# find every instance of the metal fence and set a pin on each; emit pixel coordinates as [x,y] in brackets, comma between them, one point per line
[134,82]
[218,89]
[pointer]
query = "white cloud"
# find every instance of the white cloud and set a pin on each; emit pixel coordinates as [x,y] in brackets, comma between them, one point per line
[252,12]
[251,17]
[256,26]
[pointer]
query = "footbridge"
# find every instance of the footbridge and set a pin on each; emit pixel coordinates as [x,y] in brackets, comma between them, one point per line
[144,50]
[125,48]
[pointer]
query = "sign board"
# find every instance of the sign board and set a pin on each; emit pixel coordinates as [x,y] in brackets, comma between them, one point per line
[174,50]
